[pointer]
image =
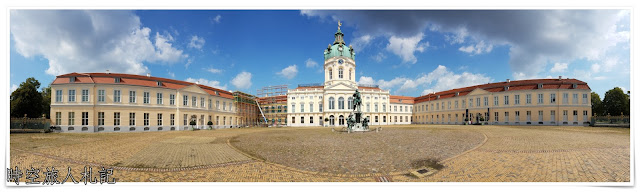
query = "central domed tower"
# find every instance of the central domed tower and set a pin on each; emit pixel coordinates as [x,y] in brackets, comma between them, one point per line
[339,61]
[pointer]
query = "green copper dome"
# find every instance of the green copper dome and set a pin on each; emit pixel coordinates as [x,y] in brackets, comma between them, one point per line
[339,47]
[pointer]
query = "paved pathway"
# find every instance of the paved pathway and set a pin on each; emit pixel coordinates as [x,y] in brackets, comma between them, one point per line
[521,154]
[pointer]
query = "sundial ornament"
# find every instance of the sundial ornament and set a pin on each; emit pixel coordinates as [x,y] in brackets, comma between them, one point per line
[356,122]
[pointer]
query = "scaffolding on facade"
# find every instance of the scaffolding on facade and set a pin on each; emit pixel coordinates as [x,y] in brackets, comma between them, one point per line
[247,109]
[272,91]
[272,101]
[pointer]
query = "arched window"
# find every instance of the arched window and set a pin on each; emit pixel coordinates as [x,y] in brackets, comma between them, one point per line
[349,74]
[341,120]
[350,103]
[340,73]
[332,120]
[330,73]
[293,107]
[341,103]
[332,104]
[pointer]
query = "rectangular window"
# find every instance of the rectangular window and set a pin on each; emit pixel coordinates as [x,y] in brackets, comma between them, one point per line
[565,98]
[58,96]
[72,95]
[506,100]
[146,97]
[455,103]
[132,119]
[302,107]
[116,96]
[540,98]
[448,105]
[540,116]
[194,100]
[85,95]
[516,100]
[310,107]
[506,116]
[470,103]
[217,105]
[552,98]
[116,118]
[293,120]
[553,115]
[528,98]
[185,100]
[202,102]
[100,118]
[172,99]
[184,119]
[71,118]
[224,106]
[384,107]
[311,120]
[210,104]
[132,96]
[319,107]
[159,98]
[495,116]
[486,101]
[376,108]
[293,108]
[301,119]
[517,116]
[173,119]
[495,101]
[100,95]
[368,107]
[159,119]
[145,119]
[584,99]
[58,118]
[575,98]
[478,102]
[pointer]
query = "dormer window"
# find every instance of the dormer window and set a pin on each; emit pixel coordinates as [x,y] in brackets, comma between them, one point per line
[117,79]
[72,79]
[574,86]
[438,97]
[159,83]
[457,93]
[539,85]
[506,88]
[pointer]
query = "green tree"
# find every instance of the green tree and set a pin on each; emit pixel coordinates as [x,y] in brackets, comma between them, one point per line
[46,101]
[596,104]
[27,100]
[616,102]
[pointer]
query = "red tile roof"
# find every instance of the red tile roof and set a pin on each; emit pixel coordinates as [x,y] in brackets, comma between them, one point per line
[513,86]
[401,99]
[130,79]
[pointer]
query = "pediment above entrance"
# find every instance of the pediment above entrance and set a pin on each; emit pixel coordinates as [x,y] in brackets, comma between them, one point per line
[340,86]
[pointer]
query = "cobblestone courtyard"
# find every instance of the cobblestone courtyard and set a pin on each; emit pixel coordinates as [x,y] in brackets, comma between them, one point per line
[468,153]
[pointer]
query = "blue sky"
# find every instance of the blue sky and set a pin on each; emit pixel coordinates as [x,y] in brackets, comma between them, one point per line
[410,52]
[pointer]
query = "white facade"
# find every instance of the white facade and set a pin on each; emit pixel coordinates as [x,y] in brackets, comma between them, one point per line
[311,105]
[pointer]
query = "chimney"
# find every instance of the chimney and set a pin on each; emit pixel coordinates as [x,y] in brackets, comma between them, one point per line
[148,74]
[560,77]
[107,71]
[508,80]
[197,82]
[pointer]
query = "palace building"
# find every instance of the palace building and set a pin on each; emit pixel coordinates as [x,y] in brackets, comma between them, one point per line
[112,102]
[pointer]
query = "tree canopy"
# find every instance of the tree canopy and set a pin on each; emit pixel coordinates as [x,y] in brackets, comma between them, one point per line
[27,100]
[616,102]
[597,108]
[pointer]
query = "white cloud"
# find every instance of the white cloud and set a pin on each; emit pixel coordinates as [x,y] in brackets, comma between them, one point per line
[242,80]
[186,65]
[289,72]
[311,63]
[379,57]
[207,82]
[595,67]
[479,48]
[171,74]
[214,71]
[359,43]
[405,47]
[216,19]
[196,42]
[610,64]
[89,41]
[559,67]
[13,87]
[440,79]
